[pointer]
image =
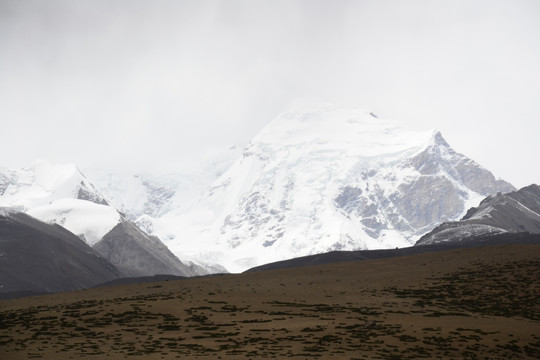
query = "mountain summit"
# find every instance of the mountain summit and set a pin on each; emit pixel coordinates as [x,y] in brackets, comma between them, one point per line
[326,179]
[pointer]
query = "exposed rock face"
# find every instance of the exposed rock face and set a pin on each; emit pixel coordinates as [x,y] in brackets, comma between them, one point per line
[138,254]
[440,157]
[428,200]
[90,194]
[37,257]
[4,181]
[438,184]
[514,212]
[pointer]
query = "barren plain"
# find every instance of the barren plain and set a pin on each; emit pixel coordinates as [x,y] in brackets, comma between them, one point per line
[476,303]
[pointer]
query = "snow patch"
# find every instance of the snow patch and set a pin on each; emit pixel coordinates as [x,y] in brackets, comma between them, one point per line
[90,221]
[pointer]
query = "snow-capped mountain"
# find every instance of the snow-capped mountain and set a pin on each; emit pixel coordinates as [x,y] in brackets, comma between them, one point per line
[325,179]
[44,182]
[61,194]
[311,181]
[514,212]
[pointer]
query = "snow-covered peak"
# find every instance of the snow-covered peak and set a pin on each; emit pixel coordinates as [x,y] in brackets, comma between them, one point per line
[322,179]
[61,194]
[49,176]
[329,128]
[437,140]
[43,182]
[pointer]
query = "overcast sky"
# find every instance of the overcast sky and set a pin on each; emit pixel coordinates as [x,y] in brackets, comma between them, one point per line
[151,84]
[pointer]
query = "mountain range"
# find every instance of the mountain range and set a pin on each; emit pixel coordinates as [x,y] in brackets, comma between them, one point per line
[319,180]
[62,195]
[313,181]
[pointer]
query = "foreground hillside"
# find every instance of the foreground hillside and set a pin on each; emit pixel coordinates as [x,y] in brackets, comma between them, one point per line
[476,303]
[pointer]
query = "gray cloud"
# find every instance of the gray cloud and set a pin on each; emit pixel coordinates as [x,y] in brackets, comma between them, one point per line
[140,84]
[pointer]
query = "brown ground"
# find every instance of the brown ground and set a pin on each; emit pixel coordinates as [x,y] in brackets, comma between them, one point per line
[479,303]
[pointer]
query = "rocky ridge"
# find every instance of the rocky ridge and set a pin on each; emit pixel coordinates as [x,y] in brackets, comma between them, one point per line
[36,257]
[513,212]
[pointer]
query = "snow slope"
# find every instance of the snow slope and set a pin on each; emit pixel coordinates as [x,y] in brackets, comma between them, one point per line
[61,194]
[325,179]
[88,220]
[44,182]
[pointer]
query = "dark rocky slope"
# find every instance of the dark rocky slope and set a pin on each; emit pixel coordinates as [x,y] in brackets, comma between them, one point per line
[139,254]
[36,257]
[343,256]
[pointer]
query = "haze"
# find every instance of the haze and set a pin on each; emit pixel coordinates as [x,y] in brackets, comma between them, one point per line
[157,85]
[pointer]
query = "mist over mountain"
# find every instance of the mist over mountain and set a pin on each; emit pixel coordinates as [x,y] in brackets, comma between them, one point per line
[146,194]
